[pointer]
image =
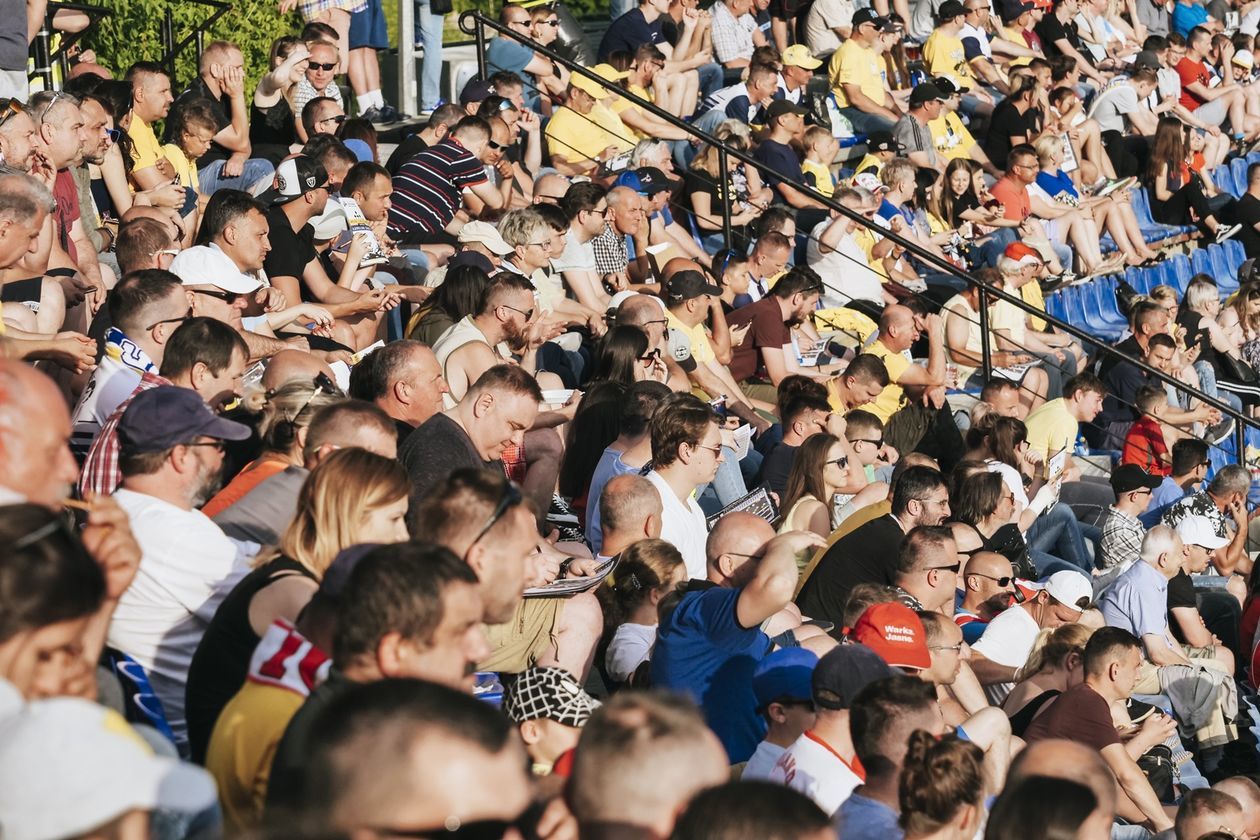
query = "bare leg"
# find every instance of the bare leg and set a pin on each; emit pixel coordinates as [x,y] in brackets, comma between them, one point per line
[578,630]
[1094,152]
[691,94]
[1032,391]
[542,454]
[52,306]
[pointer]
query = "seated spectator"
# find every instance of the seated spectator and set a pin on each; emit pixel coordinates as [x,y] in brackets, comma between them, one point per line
[1189,468]
[924,577]
[735,35]
[586,133]
[1122,532]
[989,586]
[403,379]
[747,101]
[803,416]
[815,496]
[785,122]
[1149,440]
[549,709]
[941,788]
[444,171]
[1055,665]
[782,685]
[1223,502]
[855,76]
[767,354]
[317,81]
[1055,426]
[1178,195]
[647,572]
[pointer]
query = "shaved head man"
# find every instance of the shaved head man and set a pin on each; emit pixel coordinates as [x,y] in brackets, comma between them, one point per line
[987,582]
[1059,759]
[1205,811]
[293,365]
[629,510]
[549,189]
[1247,793]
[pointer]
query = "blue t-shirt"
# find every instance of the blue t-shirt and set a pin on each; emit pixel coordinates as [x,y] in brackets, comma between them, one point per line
[863,818]
[609,467]
[629,32]
[1187,16]
[1165,494]
[508,55]
[702,651]
[782,162]
[1055,184]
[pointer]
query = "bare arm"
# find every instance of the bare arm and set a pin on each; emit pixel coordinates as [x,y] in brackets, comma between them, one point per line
[771,588]
[1134,783]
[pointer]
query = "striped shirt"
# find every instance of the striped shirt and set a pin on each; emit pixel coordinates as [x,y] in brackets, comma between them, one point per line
[428,188]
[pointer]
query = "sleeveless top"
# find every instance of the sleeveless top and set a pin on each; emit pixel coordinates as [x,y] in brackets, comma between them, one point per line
[789,519]
[221,663]
[1021,720]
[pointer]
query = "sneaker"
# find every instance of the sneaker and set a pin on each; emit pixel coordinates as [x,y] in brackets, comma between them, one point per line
[390,114]
[1055,281]
[1220,431]
[1224,232]
[561,516]
[373,115]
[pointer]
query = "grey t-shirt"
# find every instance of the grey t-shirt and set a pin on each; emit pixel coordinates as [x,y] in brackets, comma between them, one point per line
[13,46]
[915,136]
[263,514]
[1112,104]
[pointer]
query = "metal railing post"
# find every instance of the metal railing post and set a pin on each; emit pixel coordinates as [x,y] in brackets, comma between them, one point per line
[43,53]
[726,195]
[407,91]
[480,34]
[168,45]
[986,349]
[1240,442]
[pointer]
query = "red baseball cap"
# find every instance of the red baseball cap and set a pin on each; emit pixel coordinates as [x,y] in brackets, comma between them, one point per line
[1018,251]
[895,633]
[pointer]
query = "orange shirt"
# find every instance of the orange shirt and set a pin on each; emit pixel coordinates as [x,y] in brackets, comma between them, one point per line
[255,473]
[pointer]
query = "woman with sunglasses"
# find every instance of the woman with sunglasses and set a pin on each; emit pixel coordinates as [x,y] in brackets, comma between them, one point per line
[819,471]
[353,496]
[624,355]
[272,120]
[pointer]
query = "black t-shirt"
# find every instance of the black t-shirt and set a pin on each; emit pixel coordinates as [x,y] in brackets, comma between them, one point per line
[438,447]
[1007,122]
[1051,30]
[272,131]
[290,250]
[1248,212]
[966,201]
[1196,332]
[781,160]
[221,106]
[867,555]
[406,150]
[777,466]
[1180,595]
[1123,381]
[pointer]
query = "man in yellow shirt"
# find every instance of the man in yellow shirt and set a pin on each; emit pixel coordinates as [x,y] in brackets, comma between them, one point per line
[151,99]
[857,80]
[586,131]
[1054,426]
[946,56]
[950,136]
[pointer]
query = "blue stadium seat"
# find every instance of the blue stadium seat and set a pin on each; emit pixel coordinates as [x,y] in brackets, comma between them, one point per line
[1223,177]
[1235,255]
[1178,268]
[1200,262]
[1238,166]
[1106,244]
[1226,280]
[1099,298]
[1055,307]
[1152,231]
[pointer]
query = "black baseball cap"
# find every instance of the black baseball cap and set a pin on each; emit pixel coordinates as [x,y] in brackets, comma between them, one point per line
[948,87]
[926,92]
[782,107]
[950,9]
[869,15]
[476,90]
[843,672]
[1129,477]
[166,416]
[688,284]
[295,177]
[1146,60]
[883,141]
[1013,10]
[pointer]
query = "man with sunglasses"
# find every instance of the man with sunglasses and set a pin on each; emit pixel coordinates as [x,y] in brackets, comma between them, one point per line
[171,460]
[319,80]
[509,54]
[1122,532]
[322,115]
[927,566]
[988,586]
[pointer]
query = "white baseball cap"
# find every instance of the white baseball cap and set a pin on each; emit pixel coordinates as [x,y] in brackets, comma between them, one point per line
[486,234]
[207,265]
[330,223]
[1071,589]
[1197,529]
[69,766]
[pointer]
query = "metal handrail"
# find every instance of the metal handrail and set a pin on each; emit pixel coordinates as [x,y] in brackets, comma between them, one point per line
[198,35]
[475,23]
[41,47]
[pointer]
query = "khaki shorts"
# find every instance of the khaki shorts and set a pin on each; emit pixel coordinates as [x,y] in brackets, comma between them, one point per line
[516,645]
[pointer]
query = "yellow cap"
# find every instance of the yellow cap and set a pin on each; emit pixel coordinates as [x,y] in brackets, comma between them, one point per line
[798,55]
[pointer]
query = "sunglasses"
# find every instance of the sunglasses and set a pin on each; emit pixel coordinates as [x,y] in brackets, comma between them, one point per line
[339,119]
[954,568]
[511,498]
[315,65]
[323,385]
[650,357]
[526,824]
[498,147]
[1000,581]
[877,443]
[178,320]
[112,133]
[550,22]
[842,461]
[528,313]
[11,108]
[227,297]
[56,97]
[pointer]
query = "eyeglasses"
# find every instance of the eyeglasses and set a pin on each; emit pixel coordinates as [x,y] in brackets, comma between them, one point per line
[169,252]
[955,648]
[526,824]
[528,313]
[315,65]
[178,320]
[227,297]
[13,107]
[338,119]
[1000,581]
[716,450]
[661,321]
[601,213]
[545,244]
[877,443]
[842,461]
[510,498]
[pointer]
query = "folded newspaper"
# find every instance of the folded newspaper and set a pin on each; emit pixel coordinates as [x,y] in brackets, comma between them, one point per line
[573,585]
[758,503]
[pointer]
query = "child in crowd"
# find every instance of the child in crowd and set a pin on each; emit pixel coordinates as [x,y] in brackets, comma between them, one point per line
[782,684]
[1149,439]
[549,709]
[647,572]
[821,149]
[865,433]
[193,126]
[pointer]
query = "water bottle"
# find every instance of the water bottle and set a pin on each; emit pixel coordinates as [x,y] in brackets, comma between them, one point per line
[1082,448]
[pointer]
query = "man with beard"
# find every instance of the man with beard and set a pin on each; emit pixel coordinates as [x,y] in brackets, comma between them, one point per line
[203,355]
[765,356]
[171,459]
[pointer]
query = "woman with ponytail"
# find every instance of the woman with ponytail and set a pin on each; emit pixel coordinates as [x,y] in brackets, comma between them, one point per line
[647,572]
[942,787]
[1056,664]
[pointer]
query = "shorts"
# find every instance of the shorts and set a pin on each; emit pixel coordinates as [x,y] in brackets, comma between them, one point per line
[313,10]
[516,645]
[367,28]
[1212,113]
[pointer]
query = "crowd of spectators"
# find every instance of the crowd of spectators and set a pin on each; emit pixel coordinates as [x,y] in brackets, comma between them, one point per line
[540,470]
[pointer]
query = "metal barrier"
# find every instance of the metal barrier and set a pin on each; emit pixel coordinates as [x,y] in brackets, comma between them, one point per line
[173,49]
[46,58]
[476,24]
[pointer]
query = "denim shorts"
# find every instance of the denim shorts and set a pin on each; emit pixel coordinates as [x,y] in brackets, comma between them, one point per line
[367,28]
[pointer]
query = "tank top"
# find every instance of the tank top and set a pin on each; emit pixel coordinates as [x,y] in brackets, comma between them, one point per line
[221,663]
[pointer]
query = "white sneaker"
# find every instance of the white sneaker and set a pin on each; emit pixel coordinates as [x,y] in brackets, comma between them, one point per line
[1224,232]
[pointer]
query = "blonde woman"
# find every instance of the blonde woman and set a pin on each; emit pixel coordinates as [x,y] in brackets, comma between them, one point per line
[1055,665]
[352,497]
[704,187]
[286,415]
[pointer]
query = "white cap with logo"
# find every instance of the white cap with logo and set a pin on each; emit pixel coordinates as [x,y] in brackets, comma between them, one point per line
[1197,529]
[207,265]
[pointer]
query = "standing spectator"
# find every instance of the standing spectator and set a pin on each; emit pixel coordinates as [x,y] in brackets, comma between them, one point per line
[151,100]
[321,68]
[735,35]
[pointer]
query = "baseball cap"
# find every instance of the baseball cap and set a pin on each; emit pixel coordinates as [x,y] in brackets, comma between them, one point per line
[295,177]
[1146,59]
[471,258]
[1244,58]
[1071,589]
[338,571]
[948,86]
[869,15]
[1197,529]
[331,222]
[949,10]
[484,233]
[1129,477]
[1013,10]
[70,766]
[207,265]
[894,632]
[688,284]
[782,107]
[799,55]
[166,416]
[475,91]
[786,674]
[595,89]
[1022,253]
[926,92]
[645,181]
[843,672]
[883,141]
[551,693]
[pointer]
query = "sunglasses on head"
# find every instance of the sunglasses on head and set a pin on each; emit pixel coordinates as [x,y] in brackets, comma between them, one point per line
[315,65]
[511,498]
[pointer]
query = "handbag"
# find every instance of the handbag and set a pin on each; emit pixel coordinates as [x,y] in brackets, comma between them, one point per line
[1125,295]
[1158,767]
[1234,369]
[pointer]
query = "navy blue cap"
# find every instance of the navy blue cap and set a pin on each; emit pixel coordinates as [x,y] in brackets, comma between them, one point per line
[784,675]
[166,416]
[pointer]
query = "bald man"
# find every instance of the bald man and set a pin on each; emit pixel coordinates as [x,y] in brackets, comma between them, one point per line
[629,510]
[1205,811]
[293,365]
[1060,759]
[988,585]
[550,188]
[1247,793]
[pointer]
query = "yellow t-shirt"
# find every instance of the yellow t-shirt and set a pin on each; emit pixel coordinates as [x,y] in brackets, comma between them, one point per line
[1016,37]
[1010,319]
[951,138]
[1051,428]
[242,747]
[576,137]
[946,57]
[889,400]
[823,182]
[1032,295]
[621,104]
[854,64]
[185,170]
[145,147]
[701,349]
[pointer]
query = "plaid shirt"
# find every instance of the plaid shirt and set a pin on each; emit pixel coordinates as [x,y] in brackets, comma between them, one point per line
[732,37]
[1121,538]
[101,473]
[610,251]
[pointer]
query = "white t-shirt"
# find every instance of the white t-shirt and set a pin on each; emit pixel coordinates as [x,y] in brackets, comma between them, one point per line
[1007,640]
[187,568]
[846,273]
[814,770]
[576,256]
[1012,480]
[824,17]
[684,526]
[630,647]
[761,762]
